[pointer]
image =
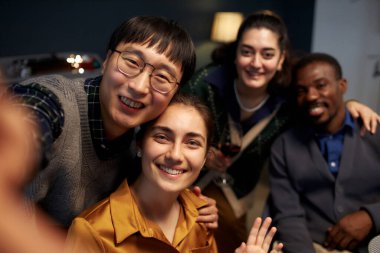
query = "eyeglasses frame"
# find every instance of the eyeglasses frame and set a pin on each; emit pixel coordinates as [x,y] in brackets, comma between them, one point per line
[141,71]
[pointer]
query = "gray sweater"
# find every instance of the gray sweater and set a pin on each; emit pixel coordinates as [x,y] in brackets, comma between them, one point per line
[75,177]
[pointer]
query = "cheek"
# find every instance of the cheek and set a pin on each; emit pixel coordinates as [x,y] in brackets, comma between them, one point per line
[241,62]
[197,160]
[111,74]
[149,154]
[300,100]
[271,67]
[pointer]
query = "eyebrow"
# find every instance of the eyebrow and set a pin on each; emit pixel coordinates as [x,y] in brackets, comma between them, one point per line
[170,131]
[319,79]
[265,48]
[159,66]
[313,82]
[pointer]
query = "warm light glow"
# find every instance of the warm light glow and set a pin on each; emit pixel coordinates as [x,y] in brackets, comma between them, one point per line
[225,26]
[70,60]
[78,59]
[75,60]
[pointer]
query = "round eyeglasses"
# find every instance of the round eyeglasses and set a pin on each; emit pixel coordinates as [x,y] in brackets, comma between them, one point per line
[131,65]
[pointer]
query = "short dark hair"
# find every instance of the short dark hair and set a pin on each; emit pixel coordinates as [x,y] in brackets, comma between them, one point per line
[169,38]
[317,57]
[188,100]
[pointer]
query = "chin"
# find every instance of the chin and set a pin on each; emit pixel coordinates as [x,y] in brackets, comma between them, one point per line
[255,84]
[169,187]
[319,122]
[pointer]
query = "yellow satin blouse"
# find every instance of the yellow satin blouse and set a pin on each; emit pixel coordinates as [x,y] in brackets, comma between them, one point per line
[115,225]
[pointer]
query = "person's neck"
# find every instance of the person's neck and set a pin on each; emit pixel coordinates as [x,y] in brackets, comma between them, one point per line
[250,98]
[157,205]
[112,132]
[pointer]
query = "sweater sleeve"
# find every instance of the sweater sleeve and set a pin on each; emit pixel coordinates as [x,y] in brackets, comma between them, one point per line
[46,112]
[82,238]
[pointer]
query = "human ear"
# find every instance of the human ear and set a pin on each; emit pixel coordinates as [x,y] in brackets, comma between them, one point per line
[281,61]
[138,148]
[208,153]
[105,62]
[343,85]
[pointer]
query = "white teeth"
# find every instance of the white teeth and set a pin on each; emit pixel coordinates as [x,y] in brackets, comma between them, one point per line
[131,103]
[171,171]
[316,110]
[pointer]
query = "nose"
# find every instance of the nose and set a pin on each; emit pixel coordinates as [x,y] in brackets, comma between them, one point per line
[141,83]
[175,153]
[256,61]
[312,94]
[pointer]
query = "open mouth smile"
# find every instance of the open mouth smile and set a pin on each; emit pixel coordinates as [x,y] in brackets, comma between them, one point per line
[131,103]
[316,109]
[171,171]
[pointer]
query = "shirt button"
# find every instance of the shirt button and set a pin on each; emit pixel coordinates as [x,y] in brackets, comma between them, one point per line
[333,164]
[103,146]
[340,209]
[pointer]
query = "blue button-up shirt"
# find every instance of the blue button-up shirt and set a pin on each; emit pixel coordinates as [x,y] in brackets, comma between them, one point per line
[331,145]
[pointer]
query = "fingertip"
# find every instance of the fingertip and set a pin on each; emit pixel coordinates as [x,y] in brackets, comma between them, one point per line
[279,246]
[373,130]
[197,191]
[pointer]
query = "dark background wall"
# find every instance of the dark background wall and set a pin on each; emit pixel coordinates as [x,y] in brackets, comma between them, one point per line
[42,26]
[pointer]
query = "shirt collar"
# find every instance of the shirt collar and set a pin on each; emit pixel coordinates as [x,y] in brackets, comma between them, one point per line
[348,121]
[348,124]
[122,203]
[104,149]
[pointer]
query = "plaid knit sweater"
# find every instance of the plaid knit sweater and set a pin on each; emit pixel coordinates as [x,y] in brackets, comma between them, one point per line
[75,177]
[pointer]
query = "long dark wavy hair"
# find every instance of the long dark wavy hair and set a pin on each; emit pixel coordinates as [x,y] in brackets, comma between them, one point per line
[226,54]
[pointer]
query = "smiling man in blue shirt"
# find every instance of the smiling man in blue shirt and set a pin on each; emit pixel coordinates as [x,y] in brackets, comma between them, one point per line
[325,176]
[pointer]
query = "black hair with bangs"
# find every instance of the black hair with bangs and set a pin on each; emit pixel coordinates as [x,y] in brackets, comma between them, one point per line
[166,35]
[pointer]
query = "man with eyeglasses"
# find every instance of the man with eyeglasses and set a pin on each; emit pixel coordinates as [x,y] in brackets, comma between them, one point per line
[87,126]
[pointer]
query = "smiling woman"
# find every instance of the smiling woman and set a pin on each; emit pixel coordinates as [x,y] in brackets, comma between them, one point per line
[156,213]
